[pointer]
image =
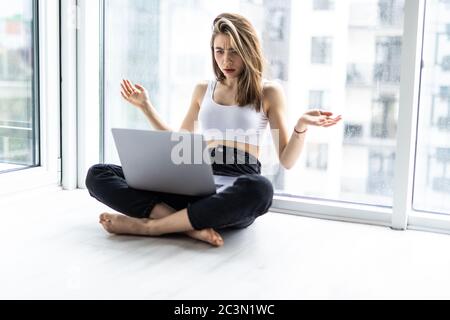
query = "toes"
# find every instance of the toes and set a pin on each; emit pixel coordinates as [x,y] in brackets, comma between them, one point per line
[217,239]
[105,221]
[218,242]
[106,217]
[107,224]
[103,216]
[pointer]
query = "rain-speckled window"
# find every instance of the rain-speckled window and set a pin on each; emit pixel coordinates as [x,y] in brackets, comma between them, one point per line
[342,56]
[19,131]
[432,172]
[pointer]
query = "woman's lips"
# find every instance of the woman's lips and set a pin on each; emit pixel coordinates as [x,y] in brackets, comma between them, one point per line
[229,70]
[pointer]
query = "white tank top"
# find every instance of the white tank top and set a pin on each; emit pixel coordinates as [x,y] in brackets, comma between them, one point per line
[220,122]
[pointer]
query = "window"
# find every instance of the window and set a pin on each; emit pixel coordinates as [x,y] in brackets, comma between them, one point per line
[388,54]
[321,49]
[432,171]
[381,171]
[277,24]
[353,130]
[276,37]
[440,109]
[317,156]
[390,12]
[358,75]
[323,4]
[440,170]
[278,69]
[318,99]
[384,114]
[132,50]
[148,42]
[365,92]
[19,130]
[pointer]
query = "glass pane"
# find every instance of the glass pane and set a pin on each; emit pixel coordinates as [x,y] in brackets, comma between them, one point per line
[342,56]
[18,127]
[352,67]
[323,4]
[432,174]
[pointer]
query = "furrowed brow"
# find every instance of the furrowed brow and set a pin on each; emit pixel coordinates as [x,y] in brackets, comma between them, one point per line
[220,48]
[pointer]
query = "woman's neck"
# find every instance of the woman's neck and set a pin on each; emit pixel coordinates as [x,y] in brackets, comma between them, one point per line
[231,84]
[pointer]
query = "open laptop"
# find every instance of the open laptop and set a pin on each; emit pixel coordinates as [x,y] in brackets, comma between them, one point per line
[166,161]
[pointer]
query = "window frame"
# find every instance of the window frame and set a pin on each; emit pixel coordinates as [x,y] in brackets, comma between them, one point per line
[396,216]
[81,113]
[400,216]
[89,86]
[46,93]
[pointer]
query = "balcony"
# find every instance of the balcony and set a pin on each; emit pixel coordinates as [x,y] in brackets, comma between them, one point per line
[359,74]
[386,73]
[15,144]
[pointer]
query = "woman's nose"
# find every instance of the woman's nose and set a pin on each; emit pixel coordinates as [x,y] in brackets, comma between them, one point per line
[228,57]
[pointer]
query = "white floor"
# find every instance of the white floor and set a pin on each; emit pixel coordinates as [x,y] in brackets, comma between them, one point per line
[52,247]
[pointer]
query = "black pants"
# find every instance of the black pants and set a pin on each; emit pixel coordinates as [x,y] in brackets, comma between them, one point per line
[237,206]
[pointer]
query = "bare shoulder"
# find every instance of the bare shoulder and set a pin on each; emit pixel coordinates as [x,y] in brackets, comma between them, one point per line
[199,91]
[201,87]
[273,95]
[272,89]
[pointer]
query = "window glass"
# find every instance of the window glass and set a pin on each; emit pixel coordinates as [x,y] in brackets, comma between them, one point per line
[346,60]
[19,141]
[323,4]
[432,171]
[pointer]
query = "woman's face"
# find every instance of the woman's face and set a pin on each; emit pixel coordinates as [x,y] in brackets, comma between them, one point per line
[227,58]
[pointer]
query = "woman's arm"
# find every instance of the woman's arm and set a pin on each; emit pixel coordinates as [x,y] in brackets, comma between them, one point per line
[138,96]
[192,115]
[290,149]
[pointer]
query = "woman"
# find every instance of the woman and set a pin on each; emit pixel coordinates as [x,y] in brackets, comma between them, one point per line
[238,101]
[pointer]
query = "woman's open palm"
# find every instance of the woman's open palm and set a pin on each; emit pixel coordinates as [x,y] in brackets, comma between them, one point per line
[135,94]
[319,118]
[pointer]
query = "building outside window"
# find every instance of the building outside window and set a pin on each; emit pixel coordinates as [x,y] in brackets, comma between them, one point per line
[321,50]
[317,156]
[19,129]
[323,4]
[312,77]
[390,12]
[388,55]
[432,165]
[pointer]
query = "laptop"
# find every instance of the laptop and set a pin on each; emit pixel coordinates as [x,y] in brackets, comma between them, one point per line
[166,161]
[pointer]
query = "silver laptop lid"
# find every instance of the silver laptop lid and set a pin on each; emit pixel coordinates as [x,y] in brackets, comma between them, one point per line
[165,161]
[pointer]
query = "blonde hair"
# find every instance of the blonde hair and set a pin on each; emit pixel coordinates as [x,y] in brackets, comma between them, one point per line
[245,41]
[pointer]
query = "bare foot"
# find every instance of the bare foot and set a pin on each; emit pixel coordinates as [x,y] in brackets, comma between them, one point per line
[121,224]
[208,235]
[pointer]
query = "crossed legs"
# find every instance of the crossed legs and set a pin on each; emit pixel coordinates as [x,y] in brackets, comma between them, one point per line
[237,206]
[162,220]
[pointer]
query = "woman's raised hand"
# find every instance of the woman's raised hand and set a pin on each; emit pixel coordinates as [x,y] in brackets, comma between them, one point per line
[135,94]
[317,118]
